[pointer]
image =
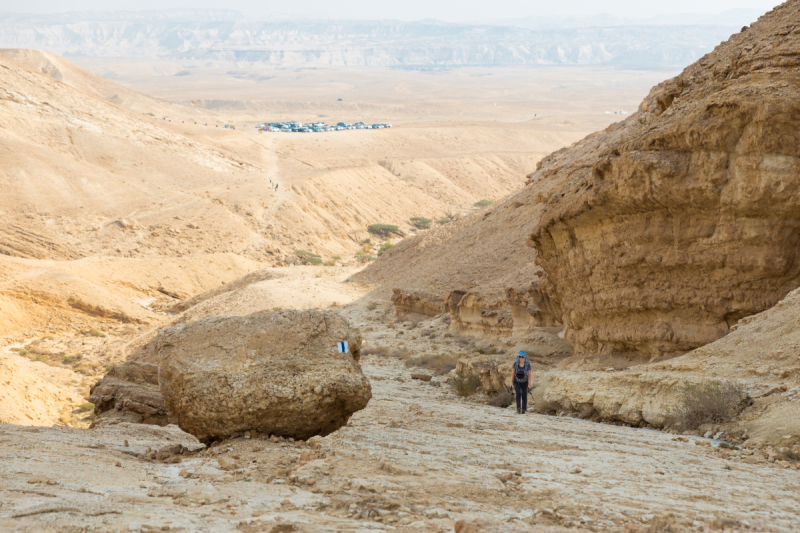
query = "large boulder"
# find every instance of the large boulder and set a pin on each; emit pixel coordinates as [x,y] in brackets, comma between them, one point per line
[276,372]
[668,228]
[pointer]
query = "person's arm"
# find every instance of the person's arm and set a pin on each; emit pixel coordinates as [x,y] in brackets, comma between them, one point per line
[513,372]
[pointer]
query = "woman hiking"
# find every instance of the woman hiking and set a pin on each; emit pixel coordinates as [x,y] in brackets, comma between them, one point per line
[520,377]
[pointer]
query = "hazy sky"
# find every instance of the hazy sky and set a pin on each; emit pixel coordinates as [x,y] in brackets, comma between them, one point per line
[450,10]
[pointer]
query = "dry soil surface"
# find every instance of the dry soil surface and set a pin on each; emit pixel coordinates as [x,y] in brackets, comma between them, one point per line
[418,458]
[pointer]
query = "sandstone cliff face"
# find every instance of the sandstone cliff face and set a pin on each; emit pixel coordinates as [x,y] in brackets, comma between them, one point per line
[274,372]
[410,302]
[474,313]
[670,227]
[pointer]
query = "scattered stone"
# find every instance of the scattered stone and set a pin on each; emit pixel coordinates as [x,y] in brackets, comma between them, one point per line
[226,462]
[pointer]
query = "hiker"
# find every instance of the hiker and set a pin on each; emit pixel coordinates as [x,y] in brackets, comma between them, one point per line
[520,377]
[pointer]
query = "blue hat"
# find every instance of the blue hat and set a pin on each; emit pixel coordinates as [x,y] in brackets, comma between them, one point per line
[523,353]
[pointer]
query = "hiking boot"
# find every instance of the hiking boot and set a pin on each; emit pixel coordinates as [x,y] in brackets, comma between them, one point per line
[522,411]
[519,411]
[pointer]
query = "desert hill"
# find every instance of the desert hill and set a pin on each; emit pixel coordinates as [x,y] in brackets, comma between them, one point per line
[71,74]
[84,176]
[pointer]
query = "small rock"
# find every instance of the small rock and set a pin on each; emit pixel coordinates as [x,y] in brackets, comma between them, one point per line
[504,476]
[421,376]
[41,479]
[227,463]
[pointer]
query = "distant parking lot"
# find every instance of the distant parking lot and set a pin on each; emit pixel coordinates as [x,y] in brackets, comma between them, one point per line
[315,127]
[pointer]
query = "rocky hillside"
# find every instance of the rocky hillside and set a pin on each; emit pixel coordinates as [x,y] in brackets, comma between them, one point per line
[228,36]
[655,236]
[670,227]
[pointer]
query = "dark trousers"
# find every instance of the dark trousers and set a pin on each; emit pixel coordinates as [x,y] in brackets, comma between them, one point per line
[522,394]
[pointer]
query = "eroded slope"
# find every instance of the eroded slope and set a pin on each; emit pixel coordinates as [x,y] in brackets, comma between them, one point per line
[670,227]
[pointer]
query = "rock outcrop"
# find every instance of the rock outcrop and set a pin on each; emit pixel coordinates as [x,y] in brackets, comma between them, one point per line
[668,228]
[274,372]
[474,313]
[411,302]
[130,393]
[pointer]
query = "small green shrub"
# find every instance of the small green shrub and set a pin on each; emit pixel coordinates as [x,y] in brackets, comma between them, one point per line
[385,247]
[372,306]
[727,446]
[385,230]
[22,351]
[329,263]
[363,257]
[709,402]
[70,359]
[421,222]
[336,258]
[95,333]
[442,221]
[42,358]
[88,406]
[308,258]
[467,386]
[482,203]
[110,367]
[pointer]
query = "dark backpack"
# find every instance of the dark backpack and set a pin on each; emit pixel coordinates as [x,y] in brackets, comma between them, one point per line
[520,373]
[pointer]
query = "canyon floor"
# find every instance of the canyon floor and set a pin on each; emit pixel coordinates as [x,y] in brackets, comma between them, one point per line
[418,458]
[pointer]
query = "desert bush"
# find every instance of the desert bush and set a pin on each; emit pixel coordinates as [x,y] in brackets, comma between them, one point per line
[329,263]
[790,455]
[377,350]
[384,230]
[88,406]
[502,399]
[709,402]
[385,247]
[336,258]
[95,333]
[442,221]
[440,364]
[372,306]
[467,386]
[23,351]
[363,257]
[308,258]
[421,222]
[482,203]
[69,359]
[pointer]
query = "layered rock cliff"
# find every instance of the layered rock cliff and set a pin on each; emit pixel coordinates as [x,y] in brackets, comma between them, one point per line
[668,228]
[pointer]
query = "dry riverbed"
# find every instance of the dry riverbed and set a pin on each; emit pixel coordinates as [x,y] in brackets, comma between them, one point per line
[418,458]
